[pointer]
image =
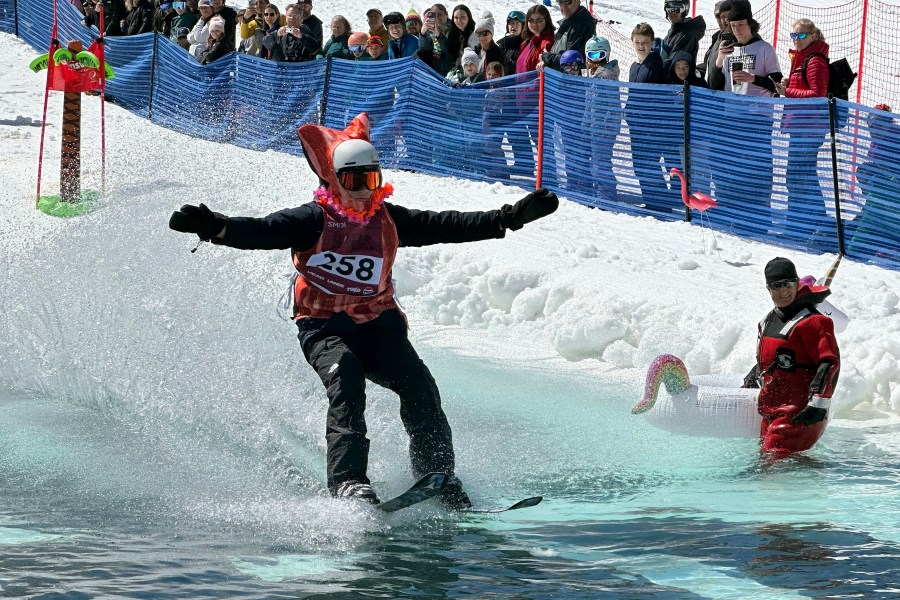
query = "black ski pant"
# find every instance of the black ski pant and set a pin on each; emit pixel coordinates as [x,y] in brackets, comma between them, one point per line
[386,357]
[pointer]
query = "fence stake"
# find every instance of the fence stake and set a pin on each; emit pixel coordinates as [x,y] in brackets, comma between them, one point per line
[152,72]
[687,145]
[324,106]
[832,118]
[16,16]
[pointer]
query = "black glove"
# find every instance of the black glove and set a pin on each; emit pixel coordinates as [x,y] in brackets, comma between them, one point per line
[535,205]
[810,416]
[197,219]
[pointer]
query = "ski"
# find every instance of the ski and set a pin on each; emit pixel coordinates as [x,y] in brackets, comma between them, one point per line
[430,485]
[526,503]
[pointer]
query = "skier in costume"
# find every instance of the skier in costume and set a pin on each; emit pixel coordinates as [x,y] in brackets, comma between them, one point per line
[797,363]
[343,245]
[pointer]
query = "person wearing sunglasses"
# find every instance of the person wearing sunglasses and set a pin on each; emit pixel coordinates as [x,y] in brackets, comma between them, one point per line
[797,363]
[537,37]
[511,43]
[573,32]
[684,32]
[294,42]
[808,78]
[252,25]
[487,49]
[272,22]
[351,329]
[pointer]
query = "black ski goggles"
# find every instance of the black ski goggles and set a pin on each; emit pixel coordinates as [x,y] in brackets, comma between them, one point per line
[357,178]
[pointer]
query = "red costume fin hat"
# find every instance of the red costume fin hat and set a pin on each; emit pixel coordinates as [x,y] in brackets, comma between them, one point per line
[319,143]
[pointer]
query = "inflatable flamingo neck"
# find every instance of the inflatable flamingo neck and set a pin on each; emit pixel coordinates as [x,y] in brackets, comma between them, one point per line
[667,370]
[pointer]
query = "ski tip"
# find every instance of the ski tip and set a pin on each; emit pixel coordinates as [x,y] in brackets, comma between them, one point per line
[527,502]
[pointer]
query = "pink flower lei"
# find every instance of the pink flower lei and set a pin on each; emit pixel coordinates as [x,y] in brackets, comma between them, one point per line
[325,196]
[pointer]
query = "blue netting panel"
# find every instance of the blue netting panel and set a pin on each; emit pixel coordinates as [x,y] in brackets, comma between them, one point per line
[131,59]
[271,100]
[8,16]
[36,21]
[747,153]
[611,145]
[869,172]
[193,98]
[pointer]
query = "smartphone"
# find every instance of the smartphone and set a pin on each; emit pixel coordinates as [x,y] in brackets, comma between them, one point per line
[737,65]
[727,39]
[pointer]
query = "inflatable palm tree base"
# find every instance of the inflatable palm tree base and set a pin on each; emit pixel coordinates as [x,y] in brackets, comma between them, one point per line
[53,206]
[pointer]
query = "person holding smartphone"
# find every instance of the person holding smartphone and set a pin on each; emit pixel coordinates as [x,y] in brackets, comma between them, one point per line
[715,79]
[750,65]
[293,42]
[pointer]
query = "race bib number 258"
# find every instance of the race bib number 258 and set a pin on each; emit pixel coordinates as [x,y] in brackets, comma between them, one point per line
[361,269]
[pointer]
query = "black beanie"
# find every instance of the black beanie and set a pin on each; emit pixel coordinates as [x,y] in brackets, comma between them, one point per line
[723,6]
[740,11]
[779,269]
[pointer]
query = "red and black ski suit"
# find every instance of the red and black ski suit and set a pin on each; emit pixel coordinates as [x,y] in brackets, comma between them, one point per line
[797,357]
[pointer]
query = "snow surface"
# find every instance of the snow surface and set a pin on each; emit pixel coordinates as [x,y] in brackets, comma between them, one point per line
[583,289]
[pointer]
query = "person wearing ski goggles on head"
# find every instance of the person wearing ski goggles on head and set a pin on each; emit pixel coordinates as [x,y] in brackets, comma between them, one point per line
[684,33]
[511,43]
[351,329]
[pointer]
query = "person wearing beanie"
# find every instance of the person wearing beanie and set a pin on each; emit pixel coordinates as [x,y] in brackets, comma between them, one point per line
[375,49]
[715,79]
[487,49]
[685,33]
[413,23]
[346,312]
[572,33]
[469,72]
[219,43]
[400,43]
[797,363]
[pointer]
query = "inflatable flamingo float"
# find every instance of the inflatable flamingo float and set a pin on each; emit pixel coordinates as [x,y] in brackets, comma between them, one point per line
[697,200]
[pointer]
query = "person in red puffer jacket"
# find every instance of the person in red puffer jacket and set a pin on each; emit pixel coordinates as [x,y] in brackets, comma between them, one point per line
[807,131]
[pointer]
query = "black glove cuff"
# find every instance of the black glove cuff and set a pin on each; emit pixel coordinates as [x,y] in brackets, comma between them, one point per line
[509,218]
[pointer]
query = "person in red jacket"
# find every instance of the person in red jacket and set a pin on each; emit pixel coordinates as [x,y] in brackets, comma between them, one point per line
[343,245]
[797,363]
[808,78]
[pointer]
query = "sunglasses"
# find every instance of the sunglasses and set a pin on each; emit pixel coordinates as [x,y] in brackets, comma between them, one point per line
[596,55]
[270,14]
[799,36]
[536,20]
[516,15]
[357,48]
[357,178]
[784,283]
[566,2]
[482,33]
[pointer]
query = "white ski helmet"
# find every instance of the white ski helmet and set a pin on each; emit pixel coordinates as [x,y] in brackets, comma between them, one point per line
[598,44]
[355,154]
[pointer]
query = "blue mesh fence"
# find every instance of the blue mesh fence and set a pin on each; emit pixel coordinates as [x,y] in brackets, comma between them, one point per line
[8,16]
[611,145]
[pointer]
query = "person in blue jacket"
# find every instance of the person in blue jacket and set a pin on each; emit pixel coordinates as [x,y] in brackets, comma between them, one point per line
[400,43]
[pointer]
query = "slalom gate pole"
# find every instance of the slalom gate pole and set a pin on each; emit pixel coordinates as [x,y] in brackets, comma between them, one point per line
[862,51]
[540,145]
[53,44]
[687,146]
[777,22]
[102,41]
[832,118]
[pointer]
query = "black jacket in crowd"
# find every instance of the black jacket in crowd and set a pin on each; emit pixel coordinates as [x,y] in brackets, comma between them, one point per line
[511,46]
[288,48]
[572,34]
[217,50]
[230,17]
[715,78]
[686,36]
[114,12]
[651,70]
[140,19]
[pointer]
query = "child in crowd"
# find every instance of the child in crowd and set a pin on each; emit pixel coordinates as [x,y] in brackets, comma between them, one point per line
[357,44]
[682,68]
[599,65]
[375,49]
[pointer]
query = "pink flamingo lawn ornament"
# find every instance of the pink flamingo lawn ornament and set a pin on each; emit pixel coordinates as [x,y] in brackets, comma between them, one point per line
[697,200]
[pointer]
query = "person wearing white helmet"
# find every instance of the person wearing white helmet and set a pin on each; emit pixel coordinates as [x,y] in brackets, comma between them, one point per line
[343,245]
[599,64]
